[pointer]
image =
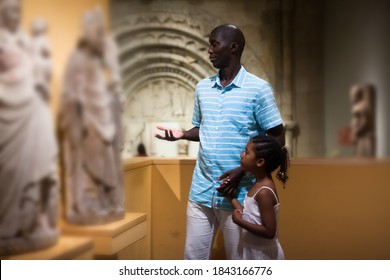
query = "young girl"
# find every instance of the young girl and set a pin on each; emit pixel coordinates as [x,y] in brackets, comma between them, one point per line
[258,215]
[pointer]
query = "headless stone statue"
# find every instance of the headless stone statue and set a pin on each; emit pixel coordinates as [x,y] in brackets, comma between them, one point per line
[91,129]
[363,120]
[28,150]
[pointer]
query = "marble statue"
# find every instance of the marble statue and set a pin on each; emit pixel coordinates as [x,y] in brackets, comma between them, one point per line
[363,120]
[28,149]
[90,125]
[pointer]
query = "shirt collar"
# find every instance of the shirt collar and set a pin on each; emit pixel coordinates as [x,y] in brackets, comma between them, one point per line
[238,80]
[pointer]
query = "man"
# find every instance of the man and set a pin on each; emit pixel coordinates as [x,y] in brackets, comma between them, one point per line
[230,107]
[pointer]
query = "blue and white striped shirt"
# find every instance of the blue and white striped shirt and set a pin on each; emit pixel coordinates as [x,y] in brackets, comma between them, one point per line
[227,118]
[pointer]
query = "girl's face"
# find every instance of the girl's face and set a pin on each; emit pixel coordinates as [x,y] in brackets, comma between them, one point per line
[248,157]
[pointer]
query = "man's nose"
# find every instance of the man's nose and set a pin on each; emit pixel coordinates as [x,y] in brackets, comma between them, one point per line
[210,50]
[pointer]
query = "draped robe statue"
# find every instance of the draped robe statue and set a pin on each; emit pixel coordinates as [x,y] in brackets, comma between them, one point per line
[91,130]
[28,150]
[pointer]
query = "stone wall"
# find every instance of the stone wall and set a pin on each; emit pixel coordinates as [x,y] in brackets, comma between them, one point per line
[308,77]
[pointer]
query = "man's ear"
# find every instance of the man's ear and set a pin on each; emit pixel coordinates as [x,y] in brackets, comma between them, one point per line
[260,162]
[233,47]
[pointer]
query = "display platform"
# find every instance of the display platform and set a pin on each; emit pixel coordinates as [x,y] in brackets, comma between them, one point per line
[66,248]
[109,239]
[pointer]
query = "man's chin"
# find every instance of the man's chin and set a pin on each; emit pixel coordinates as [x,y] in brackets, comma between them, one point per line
[215,65]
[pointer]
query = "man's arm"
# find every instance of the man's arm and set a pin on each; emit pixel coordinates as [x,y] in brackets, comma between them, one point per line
[278,133]
[192,134]
[231,179]
[176,134]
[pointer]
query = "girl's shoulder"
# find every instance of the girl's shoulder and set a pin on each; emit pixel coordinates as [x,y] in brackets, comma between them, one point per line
[254,190]
[265,192]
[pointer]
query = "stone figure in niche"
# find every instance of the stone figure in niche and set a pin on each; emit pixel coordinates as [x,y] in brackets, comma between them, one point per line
[363,120]
[28,149]
[90,125]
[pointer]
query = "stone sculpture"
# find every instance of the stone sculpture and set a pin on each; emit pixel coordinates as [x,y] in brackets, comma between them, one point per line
[90,128]
[363,120]
[28,150]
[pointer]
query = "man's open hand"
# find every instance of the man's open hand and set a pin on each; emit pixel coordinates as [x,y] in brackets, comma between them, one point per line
[169,134]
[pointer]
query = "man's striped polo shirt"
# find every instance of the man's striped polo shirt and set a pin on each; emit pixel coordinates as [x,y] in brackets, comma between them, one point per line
[227,118]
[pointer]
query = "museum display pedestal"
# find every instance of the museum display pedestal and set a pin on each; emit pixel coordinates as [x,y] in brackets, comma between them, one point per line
[66,248]
[110,240]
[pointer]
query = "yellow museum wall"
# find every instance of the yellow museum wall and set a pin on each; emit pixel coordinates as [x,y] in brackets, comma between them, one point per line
[333,210]
[138,189]
[170,187]
[330,209]
[64,20]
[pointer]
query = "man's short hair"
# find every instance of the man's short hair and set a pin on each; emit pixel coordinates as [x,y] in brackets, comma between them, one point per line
[231,33]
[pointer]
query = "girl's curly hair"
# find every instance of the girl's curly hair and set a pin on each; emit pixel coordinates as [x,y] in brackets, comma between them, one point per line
[274,155]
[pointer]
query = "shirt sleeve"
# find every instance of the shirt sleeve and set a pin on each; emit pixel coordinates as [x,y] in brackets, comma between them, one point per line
[267,113]
[196,116]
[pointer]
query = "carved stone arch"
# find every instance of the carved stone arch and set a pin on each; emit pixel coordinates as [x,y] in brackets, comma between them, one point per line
[153,62]
[148,40]
[160,71]
[160,54]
